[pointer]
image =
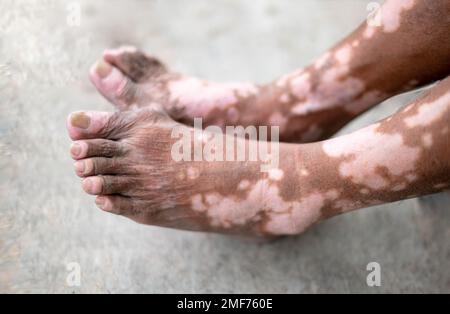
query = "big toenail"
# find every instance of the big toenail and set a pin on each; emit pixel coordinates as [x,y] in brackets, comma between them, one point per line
[80,120]
[79,167]
[100,202]
[75,150]
[103,69]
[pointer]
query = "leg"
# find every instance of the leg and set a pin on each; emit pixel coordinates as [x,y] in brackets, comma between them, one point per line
[127,160]
[411,48]
[404,156]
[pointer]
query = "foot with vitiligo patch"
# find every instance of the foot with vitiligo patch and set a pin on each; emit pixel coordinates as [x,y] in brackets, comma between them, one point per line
[126,160]
[370,65]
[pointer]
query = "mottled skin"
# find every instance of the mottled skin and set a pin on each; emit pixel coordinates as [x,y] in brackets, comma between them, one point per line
[125,158]
[310,104]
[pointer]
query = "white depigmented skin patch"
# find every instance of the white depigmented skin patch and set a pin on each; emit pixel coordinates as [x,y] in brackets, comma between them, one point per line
[411,177]
[346,205]
[283,218]
[390,16]
[407,109]
[197,203]
[231,211]
[301,85]
[427,140]
[305,108]
[322,60]
[193,173]
[244,184]
[301,215]
[304,172]
[428,113]
[344,54]
[276,174]
[201,97]
[364,156]
[295,217]
[243,90]
[205,95]
[333,90]
[285,98]
[233,115]
[399,187]
[369,32]
[283,81]
[277,119]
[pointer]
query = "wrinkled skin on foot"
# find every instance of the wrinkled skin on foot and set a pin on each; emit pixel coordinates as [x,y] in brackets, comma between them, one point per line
[126,160]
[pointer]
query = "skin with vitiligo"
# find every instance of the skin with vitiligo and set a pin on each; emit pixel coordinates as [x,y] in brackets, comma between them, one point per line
[125,157]
[409,49]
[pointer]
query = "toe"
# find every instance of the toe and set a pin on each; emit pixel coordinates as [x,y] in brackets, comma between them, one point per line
[127,207]
[87,124]
[98,166]
[114,85]
[137,65]
[106,185]
[94,124]
[96,148]
[115,204]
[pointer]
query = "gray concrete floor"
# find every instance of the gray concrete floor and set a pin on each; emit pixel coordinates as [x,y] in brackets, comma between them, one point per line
[47,222]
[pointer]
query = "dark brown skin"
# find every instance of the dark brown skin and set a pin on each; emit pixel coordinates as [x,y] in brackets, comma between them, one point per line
[384,65]
[140,179]
[126,158]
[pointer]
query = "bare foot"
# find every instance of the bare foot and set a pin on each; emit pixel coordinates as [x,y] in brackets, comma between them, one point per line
[126,159]
[131,79]
[131,161]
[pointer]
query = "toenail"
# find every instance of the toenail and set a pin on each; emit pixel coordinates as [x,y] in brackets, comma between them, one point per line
[100,202]
[75,150]
[80,120]
[103,69]
[79,167]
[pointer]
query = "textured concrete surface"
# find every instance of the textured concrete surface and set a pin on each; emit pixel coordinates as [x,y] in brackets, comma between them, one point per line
[47,222]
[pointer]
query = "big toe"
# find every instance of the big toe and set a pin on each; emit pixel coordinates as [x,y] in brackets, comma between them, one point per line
[114,85]
[137,65]
[94,124]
